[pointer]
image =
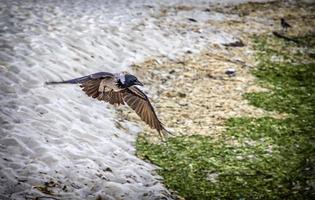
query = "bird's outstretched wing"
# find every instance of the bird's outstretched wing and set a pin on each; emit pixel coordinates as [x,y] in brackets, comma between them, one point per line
[92,89]
[112,97]
[90,84]
[96,76]
[140,103]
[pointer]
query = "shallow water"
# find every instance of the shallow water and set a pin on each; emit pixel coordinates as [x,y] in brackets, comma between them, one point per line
[56,134]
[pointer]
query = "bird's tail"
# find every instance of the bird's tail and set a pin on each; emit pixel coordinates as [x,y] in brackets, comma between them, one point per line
[164,134]
[71,81]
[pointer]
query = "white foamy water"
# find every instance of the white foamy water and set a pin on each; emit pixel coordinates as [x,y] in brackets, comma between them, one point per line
[56,134]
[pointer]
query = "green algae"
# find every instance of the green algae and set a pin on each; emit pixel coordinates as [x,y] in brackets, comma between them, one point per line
[262,158]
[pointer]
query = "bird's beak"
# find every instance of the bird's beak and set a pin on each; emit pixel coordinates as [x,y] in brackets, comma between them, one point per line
[138,83]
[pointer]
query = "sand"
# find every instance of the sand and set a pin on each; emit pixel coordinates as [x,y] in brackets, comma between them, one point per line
[56,142]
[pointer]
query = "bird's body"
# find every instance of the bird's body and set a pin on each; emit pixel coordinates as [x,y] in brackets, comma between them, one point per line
[119,89]
[285,25]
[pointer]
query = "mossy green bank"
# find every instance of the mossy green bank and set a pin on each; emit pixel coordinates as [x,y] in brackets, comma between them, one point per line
[262,158]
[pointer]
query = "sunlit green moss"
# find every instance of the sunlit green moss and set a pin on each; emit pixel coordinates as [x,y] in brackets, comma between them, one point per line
[261,158]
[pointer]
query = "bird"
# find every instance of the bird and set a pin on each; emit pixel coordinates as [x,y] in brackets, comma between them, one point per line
[285,25]
[118,89]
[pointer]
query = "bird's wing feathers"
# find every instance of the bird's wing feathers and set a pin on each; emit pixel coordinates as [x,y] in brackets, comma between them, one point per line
[83,79]
[92,89]
[112,97]
[133,96]
[140,103]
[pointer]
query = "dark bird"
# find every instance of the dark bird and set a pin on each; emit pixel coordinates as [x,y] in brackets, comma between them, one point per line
[285,25]
[119,89]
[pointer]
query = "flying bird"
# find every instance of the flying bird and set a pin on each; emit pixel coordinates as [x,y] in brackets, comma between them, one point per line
[285,25]
[119,88]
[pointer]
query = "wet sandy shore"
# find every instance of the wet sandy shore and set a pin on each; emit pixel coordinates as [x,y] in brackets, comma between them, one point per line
[56,142]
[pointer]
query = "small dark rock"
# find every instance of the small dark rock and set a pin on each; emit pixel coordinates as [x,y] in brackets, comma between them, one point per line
[182,95]
[107,169]
[238,43]
[230,72]
[192,20]
[172,71]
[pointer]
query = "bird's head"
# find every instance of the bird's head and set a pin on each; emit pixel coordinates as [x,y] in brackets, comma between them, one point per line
[282,20]
[126,80]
